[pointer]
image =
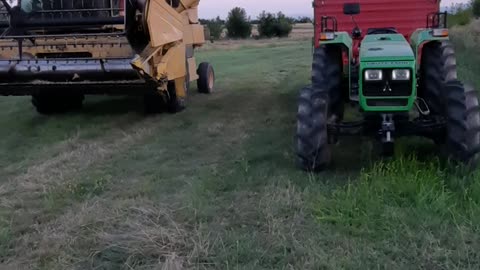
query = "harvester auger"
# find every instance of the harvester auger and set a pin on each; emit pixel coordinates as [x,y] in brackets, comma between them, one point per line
[58,51]
[394,62]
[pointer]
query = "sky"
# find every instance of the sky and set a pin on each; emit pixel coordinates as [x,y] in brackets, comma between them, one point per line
[213,8]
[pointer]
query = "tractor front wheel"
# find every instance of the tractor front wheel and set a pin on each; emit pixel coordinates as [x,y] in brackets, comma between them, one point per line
[313,150]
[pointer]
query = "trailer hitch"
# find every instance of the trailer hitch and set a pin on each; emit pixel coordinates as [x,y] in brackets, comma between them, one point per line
[386,132]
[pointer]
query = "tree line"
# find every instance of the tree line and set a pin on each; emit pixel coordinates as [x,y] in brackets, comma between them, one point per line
[239,25]
[462,14]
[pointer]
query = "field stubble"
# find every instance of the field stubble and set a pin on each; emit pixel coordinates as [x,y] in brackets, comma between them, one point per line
[216,188]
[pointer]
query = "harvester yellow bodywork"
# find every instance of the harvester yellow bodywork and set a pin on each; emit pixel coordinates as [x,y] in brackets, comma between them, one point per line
[135,47]
[172,31]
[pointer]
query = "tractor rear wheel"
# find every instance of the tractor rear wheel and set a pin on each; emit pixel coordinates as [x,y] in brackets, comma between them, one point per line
[463,123]
[327,76]
[313,150]
[55,103]
[438,66]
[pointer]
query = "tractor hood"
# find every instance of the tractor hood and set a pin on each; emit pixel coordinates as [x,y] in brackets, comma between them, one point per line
[386,47]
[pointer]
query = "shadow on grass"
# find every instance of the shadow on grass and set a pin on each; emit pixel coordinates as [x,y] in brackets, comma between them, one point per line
[112,105]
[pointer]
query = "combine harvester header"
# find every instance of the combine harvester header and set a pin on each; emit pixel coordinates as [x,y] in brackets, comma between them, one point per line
[58,51]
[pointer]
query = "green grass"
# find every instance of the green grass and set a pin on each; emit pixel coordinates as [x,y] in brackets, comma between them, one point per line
[215,187]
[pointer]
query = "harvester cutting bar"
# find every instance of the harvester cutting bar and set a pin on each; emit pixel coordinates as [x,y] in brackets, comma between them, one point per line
[67,70]
[112,88]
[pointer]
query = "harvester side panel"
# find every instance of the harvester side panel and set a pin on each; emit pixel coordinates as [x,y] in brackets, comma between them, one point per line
[405,15]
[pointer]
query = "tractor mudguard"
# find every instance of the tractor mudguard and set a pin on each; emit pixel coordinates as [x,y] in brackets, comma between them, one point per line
[342,39]
[421,37]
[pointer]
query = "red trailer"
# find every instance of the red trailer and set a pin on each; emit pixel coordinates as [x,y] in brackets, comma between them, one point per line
[405,15]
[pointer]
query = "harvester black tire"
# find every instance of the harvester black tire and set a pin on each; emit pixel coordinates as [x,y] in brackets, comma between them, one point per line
[174,103]
[327,76]
[313,150]
[437,68]
[462,123]
[154,103]
[55,104]
[157,102]
[206,78]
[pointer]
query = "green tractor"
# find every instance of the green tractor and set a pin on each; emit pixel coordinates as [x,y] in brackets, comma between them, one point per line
[402,79]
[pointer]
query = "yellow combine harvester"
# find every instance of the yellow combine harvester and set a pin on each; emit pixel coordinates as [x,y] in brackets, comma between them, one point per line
[58,51]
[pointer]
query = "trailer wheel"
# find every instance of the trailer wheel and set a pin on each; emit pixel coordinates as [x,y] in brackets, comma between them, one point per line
[313,150]
[463,123]
[53,104]
[206,80]
[438,66]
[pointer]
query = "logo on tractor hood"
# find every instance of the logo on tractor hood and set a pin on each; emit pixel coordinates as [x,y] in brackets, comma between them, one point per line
[387,87]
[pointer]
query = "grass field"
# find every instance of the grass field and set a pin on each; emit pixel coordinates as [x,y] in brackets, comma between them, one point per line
[216,187]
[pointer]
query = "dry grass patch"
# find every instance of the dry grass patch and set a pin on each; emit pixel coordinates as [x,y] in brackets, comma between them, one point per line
[111,234]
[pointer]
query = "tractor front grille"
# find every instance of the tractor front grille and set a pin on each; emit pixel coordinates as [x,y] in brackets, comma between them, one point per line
[387,87]
[387,102]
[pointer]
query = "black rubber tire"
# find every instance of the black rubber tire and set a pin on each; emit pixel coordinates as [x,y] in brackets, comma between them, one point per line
[187,77]
[174,103]
[313,150]
[156,102]
[327,76]
[462,123]
[473,125]
[204,71]
[437,68]
[55,104]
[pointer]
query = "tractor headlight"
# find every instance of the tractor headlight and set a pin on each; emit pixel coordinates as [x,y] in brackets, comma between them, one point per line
[401,74]
[373,75]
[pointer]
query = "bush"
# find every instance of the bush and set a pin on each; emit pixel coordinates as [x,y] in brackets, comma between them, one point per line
[460,14]
[476,8]
[271,25]
[238,25]
[303,20]
[215,27]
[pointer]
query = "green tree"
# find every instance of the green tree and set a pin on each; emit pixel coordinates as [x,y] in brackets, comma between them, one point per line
[271,25]
[476,8]
[284,25]
[215,27]
[238,25]
[266,24]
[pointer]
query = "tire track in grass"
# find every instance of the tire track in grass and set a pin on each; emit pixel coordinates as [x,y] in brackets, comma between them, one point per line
[123,228]
[75,245]
[115,238]
[42,147]
[23,196]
